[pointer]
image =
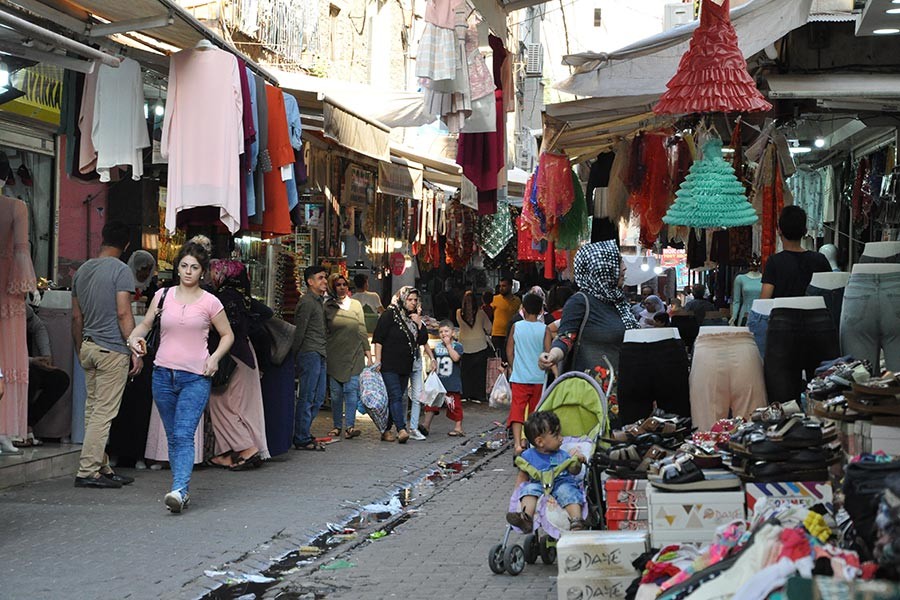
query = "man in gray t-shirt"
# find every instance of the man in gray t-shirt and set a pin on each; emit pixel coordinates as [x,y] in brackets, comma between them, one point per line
[101,322]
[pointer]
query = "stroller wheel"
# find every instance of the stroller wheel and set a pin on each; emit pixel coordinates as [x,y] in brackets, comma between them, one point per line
[531,548]
[514,559]
[495,559]
[548,552]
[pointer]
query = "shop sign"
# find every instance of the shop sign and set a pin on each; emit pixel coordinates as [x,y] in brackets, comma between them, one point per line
[400,180]
[398,264]
[359,184]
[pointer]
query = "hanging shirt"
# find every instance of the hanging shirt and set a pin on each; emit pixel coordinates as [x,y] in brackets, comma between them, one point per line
[253,157]
[276,216]
[119,130]
[295,128]
[203,135]
[87,161]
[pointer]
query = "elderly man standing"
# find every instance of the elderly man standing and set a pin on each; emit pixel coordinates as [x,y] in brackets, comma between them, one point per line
[309,347]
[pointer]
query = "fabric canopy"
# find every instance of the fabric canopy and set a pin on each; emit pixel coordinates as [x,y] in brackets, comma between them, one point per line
[645,67]
[355,132]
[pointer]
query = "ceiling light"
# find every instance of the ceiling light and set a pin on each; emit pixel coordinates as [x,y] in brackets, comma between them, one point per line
[4,75]
[800,150]
[886,31]
[159,110]
[893,11]
[819,143]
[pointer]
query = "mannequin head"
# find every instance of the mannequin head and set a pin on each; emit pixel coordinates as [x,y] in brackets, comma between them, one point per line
[830,252]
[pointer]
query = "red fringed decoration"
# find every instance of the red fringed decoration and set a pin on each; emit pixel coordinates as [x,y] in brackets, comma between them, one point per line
[651,199]
[712,75]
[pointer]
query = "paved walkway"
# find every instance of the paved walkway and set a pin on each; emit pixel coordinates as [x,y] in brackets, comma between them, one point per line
[58,541]
[439,553]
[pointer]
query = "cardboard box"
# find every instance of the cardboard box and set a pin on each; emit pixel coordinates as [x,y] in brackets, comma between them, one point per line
[627,514]
[602,554]
[883,437]
[626,493]
[628,525]
[693,516]
[593,588]
[807,493]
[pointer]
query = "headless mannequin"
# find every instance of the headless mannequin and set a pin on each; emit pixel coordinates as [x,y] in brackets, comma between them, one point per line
[876,268]
[717,329]
[763,307]
[830,281]
[204,44]
[799,302]
[829,251]
[738,301]
[881,249]
[648,336]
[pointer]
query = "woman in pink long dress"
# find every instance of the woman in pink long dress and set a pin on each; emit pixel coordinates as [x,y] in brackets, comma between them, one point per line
[16,279]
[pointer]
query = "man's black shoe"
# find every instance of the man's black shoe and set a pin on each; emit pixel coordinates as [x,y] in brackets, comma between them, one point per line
[96,482]
[123,479]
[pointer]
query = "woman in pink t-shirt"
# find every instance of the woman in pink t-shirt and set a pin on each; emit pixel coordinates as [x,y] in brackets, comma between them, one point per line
[183,369]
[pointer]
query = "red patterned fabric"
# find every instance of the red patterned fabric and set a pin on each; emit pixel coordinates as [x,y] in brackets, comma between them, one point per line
[555,190]
[773,202]
[712,75]
[651,200]
[528,253]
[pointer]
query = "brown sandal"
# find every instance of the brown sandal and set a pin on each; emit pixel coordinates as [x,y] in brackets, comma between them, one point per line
[336,432]
[352,432]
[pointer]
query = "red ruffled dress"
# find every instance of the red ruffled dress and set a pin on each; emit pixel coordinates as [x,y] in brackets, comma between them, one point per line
[712,75]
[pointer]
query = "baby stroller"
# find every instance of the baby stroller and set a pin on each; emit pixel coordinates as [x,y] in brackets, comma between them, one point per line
[580,403]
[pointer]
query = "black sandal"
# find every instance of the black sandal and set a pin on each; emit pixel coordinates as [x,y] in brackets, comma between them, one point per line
[245,464]
[310,447]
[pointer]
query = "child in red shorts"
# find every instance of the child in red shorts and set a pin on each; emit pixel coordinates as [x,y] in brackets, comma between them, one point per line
[447,355]
[524,345]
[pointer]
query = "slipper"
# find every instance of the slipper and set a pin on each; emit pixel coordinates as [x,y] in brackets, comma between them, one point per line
[454,433]
[245,464]
[310,447]
[352,432]
[336,432]
[209,463]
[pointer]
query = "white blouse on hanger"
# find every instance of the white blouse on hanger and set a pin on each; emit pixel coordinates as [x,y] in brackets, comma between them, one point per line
[119,129]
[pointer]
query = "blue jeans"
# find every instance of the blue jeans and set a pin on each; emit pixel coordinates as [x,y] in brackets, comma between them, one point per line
[758,324]
[344,400]
[312,370]
[396,386]
[870,319]
[180,398]
[416,383]
[565,492]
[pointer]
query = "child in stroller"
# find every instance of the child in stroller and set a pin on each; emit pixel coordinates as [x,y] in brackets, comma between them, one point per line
[546,464]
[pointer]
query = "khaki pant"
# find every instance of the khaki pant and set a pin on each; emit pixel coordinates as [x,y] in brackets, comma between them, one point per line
[726,378]
[105,376]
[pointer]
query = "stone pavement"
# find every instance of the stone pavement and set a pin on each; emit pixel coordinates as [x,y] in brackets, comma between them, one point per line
[57,541]
[439,553]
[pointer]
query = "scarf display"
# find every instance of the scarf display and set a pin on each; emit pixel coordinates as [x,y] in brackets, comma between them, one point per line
[597,273]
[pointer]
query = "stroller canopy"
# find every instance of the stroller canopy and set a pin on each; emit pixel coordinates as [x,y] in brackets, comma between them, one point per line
[579,402]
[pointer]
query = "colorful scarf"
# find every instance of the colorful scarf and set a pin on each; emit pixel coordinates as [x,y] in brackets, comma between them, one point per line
[597,274]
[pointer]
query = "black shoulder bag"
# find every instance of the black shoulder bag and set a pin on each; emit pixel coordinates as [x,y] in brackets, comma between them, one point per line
[227,364]
[569,361]
[152,338]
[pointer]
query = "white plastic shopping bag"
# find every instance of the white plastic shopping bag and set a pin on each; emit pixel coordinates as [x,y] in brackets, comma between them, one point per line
[433,392]
[501,394]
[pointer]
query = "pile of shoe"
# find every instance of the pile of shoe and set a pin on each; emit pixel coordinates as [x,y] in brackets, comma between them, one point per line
[634,448]
[693,467]
[827,393]
[781,443]
[878,398]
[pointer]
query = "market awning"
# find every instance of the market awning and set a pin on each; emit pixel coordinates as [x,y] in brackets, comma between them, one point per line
[400,178]
[160,25]
[836,85]
[358,133]
[646,66]
[390,107]
[582,128]
[437,170]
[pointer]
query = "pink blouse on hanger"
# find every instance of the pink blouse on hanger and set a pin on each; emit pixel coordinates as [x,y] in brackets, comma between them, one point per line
[442,13]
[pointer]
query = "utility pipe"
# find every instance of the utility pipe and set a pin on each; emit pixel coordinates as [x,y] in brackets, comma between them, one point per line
[37,31]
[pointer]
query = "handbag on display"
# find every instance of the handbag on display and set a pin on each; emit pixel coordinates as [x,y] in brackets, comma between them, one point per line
[282,334]
[152,338]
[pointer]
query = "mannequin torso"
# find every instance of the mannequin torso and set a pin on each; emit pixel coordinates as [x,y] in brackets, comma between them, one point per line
[876,268]
[799,302]
[648,336]
[763,307]
[881,249]
[830,281]
[716,329]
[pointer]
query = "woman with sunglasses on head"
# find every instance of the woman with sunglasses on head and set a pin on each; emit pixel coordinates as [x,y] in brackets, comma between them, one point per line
[183,368]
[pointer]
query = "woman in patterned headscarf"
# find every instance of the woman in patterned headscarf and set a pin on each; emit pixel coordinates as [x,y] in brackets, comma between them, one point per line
[397,338]
[237,411]
[600,274]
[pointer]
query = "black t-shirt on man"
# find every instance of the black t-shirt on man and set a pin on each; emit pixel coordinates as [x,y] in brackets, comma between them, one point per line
[790,272]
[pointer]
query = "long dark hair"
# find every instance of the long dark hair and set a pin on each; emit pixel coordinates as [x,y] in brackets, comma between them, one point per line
[469,308]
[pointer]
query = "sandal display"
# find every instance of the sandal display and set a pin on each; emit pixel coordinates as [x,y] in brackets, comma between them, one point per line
[683,475]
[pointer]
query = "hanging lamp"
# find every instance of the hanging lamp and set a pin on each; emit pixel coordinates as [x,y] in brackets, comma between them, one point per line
[711,195]
[712,75]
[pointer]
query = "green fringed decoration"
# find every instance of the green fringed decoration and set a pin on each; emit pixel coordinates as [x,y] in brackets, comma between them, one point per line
[573,228]
[711,195]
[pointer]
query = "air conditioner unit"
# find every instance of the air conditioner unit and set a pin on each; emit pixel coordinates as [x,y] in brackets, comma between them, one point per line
[677,14]
[534,60]
[524,146]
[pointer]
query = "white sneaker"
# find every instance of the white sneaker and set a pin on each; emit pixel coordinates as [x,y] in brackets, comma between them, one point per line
[415,434]
[176,501]
[140,465]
